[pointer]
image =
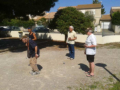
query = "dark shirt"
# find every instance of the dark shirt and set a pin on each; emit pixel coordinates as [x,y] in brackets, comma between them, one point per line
[32,46]
[31,36]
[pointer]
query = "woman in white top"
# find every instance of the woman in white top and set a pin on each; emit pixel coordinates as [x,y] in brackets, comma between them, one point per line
[90,50]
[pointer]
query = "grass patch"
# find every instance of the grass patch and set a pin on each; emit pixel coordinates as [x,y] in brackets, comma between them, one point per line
[116,86]
[92,87]
[69,88]
[110,46]
[110,79]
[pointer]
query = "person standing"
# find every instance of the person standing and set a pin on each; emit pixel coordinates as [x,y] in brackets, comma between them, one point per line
[32,35]
[34,54]
[71,41]
[90,51]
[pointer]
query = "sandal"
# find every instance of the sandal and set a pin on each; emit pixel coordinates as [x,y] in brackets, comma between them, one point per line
[87,72]
[90,75]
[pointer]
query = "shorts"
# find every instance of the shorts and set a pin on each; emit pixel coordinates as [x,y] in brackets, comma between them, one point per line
[90,58]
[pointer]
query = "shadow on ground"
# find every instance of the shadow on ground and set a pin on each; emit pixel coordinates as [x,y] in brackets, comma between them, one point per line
[102,65]
[84,67]
[39,67]
[16,45]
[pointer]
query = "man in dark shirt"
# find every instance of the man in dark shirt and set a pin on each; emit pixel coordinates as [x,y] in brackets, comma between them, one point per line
[34,54]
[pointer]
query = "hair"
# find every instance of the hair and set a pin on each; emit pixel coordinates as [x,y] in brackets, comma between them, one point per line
[24,37]
[29,27]
[71,27]
[89,30]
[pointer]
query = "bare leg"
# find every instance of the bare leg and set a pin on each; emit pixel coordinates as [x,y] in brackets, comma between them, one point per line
[92,68]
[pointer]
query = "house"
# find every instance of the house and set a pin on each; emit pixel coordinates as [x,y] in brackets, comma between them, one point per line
[94,9]
[48,16]
[105,20]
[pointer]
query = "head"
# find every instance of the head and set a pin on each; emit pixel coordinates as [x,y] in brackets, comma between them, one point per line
[24,39]
[71,28]
[29,29]
[89,31]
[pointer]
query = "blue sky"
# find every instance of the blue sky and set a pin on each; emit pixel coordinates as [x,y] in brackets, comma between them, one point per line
[107,4]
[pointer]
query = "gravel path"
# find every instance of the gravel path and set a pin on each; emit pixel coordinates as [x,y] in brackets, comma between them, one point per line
[54,75]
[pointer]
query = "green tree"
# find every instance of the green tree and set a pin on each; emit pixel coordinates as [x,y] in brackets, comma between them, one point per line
[67,17]
[98,2]
[43,21]
[89,16]
[15,8]
[116,18]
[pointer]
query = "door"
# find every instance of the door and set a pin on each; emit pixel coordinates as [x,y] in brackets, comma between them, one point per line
[106,25]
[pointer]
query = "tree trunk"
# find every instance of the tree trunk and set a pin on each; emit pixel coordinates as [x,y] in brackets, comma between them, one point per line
[65,40]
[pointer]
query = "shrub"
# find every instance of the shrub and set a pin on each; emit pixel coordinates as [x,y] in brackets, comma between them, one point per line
[116,18]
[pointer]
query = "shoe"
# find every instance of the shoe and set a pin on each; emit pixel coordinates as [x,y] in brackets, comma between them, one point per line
[89,75]
[38,72]
[71,59]
[35,73]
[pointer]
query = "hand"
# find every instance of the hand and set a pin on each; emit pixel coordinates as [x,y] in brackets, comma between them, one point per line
[86,46]
[69,39]
[36,55]
[85,52]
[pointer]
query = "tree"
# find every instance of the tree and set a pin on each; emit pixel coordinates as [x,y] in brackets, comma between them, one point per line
[15,8]
[116,18]
[67,17]
[90,16]
[98,2]
[43,21]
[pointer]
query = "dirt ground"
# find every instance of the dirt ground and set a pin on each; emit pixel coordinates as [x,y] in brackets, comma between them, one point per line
[56,71]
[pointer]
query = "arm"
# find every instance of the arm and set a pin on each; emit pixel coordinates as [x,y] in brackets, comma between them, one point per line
[90,46]
[36,55]
[35,38]
[74,38]
[94,44]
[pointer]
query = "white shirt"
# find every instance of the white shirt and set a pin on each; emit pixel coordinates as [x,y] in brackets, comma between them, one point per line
[91,40]
[71,35]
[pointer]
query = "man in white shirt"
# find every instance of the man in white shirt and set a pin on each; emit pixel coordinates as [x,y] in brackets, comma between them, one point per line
[90,50]
[71,41]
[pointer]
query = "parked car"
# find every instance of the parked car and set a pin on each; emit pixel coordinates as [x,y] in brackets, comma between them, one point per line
[9,28]
[40,29]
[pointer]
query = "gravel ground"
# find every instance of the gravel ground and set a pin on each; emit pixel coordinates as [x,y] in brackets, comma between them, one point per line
[54,74]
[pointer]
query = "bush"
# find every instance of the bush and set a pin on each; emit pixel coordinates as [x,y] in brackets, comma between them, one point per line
[116,18]
[18,23]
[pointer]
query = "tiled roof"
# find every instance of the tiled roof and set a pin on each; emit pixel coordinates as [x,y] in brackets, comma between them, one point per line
[105,18]
[115,10]
[50,15]
[86,6]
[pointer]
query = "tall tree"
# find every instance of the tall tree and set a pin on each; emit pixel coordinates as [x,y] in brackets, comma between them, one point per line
[15,8]
[67,17]
[98,2]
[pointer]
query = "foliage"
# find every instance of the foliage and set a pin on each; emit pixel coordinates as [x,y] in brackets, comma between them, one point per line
[67,17]
[16,22]
[15,8]
[116,18]
[90,16]
[98,2]
[43,21]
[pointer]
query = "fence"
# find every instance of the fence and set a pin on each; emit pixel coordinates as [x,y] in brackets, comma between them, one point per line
[80,38]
